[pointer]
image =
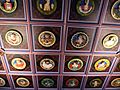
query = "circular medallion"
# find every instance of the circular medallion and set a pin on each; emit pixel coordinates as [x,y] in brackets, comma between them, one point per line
[102,64]
[85,7]
[110,40]
[13,37]
[46,38]
[47,64]
[79,40]
[2,82]
[116,82]
[8,6]
[46,7]
[18,63]
[115,10]
[96,82]
[72,82]
[23,82]
[47,82]
[75,64]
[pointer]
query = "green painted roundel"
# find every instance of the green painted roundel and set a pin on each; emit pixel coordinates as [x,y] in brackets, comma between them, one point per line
[85,7]
[47,82]
[46,7]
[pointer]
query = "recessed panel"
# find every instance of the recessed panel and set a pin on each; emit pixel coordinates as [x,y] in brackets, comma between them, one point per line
[46,37]
[101,64]
[113,82]
[4,81]
[72,81]
[75,63]
[47,81]
[19,62]
[14,37]
[12,9]
[95,82]
[84,10]
[108,40]
[50,10]
[21,81]
[112,15]
[79,39]
[47,63]
[116,68]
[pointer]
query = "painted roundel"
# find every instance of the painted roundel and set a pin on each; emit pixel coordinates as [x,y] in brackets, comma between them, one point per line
[72,82]
[18,63]
[8,6]
[115,10]
[47,64]
[75,64]
[46,7]
[110,40]
[79,40]
[47,82]
[85,7]
[2,82]
[13,37]
[46,38]
[116,82]
[102,64]
[23,82]
[96,82]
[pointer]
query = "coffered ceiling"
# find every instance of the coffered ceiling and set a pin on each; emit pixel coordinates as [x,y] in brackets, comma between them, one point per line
[59,44]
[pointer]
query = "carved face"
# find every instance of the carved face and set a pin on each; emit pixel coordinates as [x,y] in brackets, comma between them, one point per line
[13,37]
[22,82]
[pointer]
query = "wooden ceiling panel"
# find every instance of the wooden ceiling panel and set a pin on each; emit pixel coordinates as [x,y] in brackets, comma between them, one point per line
[59,44]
